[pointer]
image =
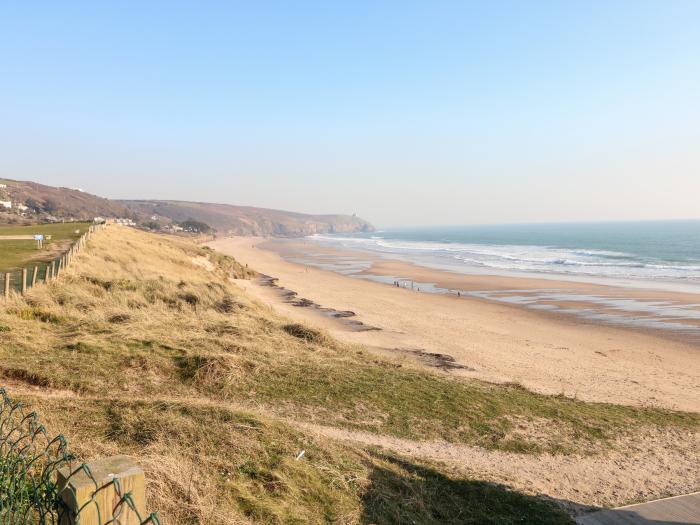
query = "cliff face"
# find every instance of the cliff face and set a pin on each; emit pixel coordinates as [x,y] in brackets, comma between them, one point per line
[245,220]
[45,202]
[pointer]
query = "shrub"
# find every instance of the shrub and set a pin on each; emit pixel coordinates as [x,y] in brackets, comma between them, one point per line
[304,332]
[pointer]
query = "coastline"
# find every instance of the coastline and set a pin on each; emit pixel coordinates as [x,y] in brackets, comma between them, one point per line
[659,306]
[493,341]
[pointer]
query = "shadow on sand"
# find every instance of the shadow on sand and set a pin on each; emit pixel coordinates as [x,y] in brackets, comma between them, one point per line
[403,492]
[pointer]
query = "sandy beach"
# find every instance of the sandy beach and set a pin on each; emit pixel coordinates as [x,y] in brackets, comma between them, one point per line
[488,340]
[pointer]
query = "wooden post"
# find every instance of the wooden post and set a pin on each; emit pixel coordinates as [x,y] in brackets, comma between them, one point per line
[35,274]
[7,284]
[47,273]
[79,489]
[24,281]
[53,269]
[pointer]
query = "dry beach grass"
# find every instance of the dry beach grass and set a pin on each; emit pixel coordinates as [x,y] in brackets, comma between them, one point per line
[147,346]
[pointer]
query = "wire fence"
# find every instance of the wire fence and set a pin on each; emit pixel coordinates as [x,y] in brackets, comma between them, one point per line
[38,476]
[19,281]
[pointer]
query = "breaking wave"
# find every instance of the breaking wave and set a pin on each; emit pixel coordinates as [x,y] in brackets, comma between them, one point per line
[521,258]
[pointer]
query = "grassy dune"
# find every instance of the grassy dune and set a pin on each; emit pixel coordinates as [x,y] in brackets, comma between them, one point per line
[145,347]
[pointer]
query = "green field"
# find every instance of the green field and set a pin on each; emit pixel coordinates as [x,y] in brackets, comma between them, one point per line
[16,254]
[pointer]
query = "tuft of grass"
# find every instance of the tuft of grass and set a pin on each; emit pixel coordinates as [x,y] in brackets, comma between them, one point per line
[227,265]
[119,318]
[34,312]
[304,332]
[190,298]
[228,305]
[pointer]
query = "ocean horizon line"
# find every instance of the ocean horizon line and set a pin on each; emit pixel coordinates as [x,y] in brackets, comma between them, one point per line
[533,223]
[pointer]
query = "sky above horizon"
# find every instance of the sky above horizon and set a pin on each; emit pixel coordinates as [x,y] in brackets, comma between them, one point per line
[404,112]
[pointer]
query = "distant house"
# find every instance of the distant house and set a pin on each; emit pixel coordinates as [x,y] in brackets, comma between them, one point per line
[21,207]
[6,204]
[3,186]
[99,220]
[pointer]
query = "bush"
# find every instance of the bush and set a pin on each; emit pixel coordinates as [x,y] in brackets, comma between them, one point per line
[304,332]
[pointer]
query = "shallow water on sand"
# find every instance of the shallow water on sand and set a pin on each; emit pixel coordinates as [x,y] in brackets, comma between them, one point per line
[633,312]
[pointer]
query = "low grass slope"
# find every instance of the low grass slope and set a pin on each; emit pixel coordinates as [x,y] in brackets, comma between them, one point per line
[145,346]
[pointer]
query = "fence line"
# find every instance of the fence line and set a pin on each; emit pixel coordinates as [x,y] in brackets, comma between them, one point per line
[45,272]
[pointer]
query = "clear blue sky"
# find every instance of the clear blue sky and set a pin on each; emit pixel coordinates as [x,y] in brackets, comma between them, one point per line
[404,112]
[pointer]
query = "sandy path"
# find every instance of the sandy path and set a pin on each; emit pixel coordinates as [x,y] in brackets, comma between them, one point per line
[654,463]
[497,342]
[652,466]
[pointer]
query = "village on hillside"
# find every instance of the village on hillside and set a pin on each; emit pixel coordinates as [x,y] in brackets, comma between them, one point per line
[18,209]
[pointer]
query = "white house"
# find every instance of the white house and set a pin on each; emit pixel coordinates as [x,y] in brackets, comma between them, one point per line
[6,204]
[21,207]
[3,186]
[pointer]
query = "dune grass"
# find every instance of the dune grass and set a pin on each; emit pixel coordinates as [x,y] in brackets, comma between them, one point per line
[212,464]
[144,346]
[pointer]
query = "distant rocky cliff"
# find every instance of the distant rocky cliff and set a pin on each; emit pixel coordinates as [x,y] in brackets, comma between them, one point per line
[228,219]
[33,202]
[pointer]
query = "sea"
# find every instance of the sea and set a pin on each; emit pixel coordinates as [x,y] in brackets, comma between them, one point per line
[666,253]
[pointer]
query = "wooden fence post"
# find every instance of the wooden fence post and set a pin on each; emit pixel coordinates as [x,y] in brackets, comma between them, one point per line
[7,284]
[53,269]
[35,273]
[24,281]
[79,489]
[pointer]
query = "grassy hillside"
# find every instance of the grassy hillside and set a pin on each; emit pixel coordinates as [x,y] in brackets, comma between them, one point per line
[60,202]
[65,203]
[245,220]
[18,253]
[145,347]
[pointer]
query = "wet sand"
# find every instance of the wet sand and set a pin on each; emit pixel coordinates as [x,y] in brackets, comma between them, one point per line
[543,350]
